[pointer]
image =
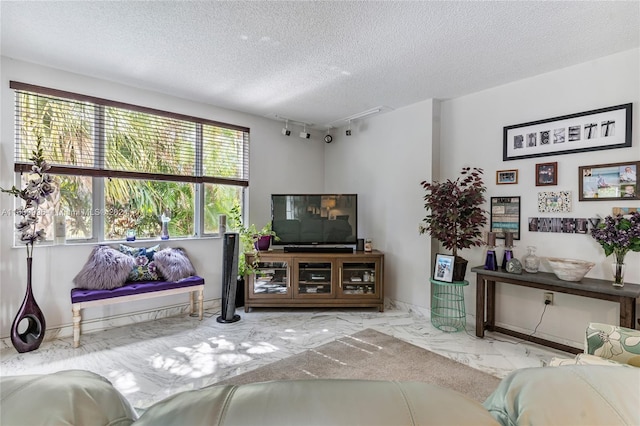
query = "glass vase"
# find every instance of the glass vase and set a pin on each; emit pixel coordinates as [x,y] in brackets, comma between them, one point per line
[531,262]
[618,274]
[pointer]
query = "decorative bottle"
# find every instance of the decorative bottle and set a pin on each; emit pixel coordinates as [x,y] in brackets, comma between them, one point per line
[491,262]
[531,262]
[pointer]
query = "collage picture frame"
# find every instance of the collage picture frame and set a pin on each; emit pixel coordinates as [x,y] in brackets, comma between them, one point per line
[614,181]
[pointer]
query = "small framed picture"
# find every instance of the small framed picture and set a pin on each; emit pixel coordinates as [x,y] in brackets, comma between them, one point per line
[507,177]
[443,270]
[546,174]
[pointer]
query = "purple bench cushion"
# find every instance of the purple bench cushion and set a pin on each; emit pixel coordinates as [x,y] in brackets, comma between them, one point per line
[138,287]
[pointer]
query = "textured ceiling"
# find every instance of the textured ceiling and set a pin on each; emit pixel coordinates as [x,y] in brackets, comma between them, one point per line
[315,61]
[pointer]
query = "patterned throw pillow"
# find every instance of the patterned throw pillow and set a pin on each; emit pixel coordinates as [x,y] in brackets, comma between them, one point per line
[145,268]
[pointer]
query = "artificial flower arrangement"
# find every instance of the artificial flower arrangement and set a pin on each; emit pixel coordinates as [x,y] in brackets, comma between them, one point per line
[618,235]
[39,187]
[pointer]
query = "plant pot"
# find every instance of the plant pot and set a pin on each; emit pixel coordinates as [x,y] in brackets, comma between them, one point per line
[459,268]
[263,243]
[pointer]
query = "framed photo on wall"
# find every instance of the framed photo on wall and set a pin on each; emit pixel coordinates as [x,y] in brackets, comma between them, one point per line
[507,177]
[505,216]
[443,269]
[546,174]
[615,181]
[605,128]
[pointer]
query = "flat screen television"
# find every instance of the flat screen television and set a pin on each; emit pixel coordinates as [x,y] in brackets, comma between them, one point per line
[314,219]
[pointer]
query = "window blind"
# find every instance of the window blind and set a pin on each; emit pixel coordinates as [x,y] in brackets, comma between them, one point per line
[84,135]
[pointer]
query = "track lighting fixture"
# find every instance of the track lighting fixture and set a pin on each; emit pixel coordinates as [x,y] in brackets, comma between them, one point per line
[348,132]
[285,129]
[328,138]
[304,134]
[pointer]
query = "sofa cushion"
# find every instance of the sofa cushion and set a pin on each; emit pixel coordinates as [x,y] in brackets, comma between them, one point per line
[105,269]
[174,264]
[318,402]
[70,397]
[568,395]
[145,268]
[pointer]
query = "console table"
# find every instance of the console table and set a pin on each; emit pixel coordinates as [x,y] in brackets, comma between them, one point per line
[587,287]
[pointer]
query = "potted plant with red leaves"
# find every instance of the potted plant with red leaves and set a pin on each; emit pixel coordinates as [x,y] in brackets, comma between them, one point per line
[454,214]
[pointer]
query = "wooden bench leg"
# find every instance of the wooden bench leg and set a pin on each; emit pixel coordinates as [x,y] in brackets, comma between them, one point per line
[201,303]
[76,326]
[192,306]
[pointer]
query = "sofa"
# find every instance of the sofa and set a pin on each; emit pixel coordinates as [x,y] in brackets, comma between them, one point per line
[567,395]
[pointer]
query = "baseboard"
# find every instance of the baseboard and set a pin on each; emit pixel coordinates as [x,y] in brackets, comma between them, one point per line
[105,323]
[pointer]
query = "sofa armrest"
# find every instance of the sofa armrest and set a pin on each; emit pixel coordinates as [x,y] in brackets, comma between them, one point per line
[570,395]
[70,397]
[613,343]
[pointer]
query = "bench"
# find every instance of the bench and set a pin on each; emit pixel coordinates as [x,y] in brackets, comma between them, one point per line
[83,298]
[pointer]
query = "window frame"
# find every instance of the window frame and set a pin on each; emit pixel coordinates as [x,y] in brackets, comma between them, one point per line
[99,172]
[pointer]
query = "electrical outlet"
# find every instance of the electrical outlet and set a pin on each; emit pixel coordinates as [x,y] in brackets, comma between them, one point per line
[548,298]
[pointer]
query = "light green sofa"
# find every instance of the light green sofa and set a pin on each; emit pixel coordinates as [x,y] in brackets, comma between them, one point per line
[571,395]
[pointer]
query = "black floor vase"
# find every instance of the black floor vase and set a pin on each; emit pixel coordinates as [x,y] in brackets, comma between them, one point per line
[29,312]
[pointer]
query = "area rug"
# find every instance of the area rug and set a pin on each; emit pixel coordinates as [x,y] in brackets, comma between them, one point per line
[372,355]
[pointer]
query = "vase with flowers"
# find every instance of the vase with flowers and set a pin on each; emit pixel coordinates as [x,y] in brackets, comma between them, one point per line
[39,186]
[618,235]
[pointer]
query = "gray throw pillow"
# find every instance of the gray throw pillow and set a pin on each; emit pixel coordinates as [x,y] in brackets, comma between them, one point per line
[174,264]
[105,269]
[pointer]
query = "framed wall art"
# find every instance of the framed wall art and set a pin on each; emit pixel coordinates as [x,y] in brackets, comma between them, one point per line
[615,181]
[554,201]
[546,174]
[443,269]
[507,177]
[505,216]
[605,128]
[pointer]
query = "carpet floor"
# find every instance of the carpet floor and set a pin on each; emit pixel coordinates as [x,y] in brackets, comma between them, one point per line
[372,355]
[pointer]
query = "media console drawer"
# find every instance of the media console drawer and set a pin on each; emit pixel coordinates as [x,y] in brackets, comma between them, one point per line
[315,279]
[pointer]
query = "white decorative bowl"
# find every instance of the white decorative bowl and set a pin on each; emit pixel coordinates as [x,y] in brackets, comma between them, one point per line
[570,269]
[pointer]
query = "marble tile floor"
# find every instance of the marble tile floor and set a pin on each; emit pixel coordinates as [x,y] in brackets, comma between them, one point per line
[149,361]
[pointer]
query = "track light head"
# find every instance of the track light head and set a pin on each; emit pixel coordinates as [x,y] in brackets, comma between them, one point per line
[348,132]
[285,129]
[305,135]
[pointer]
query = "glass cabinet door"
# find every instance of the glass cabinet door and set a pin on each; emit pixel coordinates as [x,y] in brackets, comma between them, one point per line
[271,279]
[359,278]
[315,279]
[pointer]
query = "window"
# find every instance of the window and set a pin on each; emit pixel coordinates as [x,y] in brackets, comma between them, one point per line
[120,167]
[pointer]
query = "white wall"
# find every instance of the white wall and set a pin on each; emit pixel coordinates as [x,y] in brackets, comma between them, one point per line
[384,161]
[472,135]
[277,164]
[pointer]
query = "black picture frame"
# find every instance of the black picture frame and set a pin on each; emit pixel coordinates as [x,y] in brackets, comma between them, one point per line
[606,182]
[443,268]
[598,129]
[505,216]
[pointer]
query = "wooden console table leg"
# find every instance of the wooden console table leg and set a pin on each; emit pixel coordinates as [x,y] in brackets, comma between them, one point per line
[491,305]
[479,306]
[76,326]
[627,312]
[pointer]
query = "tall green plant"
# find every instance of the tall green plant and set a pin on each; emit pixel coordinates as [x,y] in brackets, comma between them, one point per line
[454,216]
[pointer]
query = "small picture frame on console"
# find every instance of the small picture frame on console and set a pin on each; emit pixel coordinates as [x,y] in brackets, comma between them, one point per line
[443,269]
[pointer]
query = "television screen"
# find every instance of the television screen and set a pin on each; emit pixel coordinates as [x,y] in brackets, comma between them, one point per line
[300,219]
